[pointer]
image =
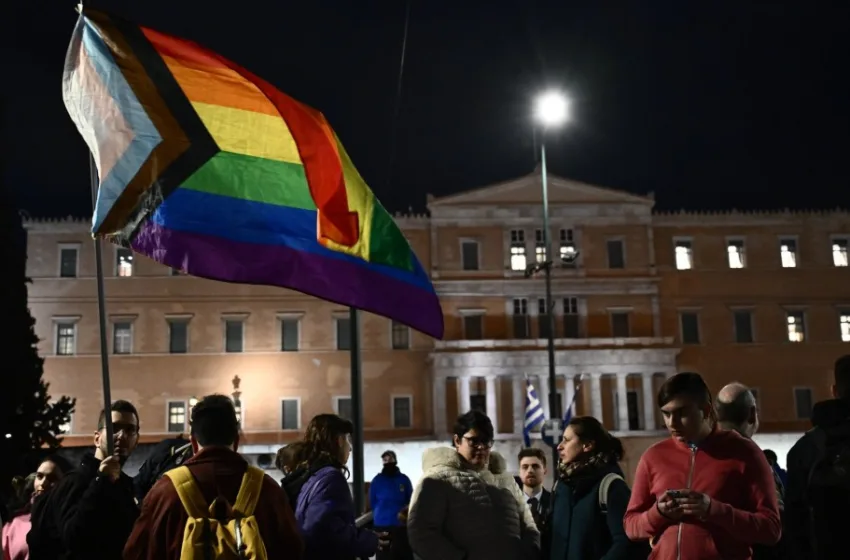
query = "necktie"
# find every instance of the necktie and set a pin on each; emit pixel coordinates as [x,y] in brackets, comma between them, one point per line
[534,504]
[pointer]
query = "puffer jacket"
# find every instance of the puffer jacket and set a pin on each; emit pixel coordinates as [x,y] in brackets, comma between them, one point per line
[458,513]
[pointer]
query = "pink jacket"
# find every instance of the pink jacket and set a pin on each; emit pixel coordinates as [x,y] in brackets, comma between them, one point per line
[15,538]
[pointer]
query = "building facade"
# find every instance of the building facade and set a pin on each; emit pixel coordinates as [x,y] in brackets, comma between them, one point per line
[638,295]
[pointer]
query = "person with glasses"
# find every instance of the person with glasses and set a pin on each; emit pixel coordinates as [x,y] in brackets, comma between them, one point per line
[466,506]
[324,508]
[90,513]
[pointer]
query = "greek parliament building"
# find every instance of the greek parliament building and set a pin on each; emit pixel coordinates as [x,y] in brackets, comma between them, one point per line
[762,298]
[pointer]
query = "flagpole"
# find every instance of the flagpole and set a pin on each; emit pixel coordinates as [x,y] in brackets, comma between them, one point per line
[357,411]
[101,308]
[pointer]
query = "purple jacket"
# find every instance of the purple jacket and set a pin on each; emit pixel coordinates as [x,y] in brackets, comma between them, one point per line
[325,514]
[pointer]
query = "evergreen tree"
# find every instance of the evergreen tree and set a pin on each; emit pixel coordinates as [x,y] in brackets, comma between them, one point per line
[29,422]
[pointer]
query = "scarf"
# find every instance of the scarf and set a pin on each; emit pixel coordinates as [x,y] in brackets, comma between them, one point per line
[585,466]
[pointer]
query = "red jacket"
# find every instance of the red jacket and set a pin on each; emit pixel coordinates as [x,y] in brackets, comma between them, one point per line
[158,533]
[727,467]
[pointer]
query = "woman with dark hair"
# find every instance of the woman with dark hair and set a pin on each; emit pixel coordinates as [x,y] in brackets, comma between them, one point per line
[287,457]
[324,508]
[590,496]
[466,505]
[50,471]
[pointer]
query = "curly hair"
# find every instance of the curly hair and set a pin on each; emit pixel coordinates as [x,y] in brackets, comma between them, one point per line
[321,442]
[289,456]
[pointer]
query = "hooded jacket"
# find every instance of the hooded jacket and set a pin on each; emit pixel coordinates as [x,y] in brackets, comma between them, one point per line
[459,513]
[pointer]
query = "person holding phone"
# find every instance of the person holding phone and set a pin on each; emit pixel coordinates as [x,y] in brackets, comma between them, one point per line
[705,493]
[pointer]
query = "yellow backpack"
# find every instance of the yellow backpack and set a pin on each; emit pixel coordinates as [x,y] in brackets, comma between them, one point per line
[208,536]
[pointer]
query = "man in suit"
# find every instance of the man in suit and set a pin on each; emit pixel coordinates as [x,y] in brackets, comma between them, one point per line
[532,473]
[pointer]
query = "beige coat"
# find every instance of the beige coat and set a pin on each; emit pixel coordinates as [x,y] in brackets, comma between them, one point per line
[457,513]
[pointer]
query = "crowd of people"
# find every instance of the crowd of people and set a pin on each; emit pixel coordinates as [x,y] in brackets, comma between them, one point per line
[706,492]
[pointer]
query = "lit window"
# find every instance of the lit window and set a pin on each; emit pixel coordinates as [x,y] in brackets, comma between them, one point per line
[684,255]
[66,335]
[844,324]
[839,252]
[567,249]
[123,262]
[788,253]
[737,258]
[176,417]
[796,327]
[518,258]
[539,246]
[122,338]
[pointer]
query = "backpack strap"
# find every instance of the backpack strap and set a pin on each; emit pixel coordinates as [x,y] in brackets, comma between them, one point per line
[249,491]
[604,486]
[187,490]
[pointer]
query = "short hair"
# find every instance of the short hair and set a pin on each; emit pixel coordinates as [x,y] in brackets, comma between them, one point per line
[532,452]
[124,407]
[686,384]
[842,377]
[736,411]
[474,420]
[770,454]
[214,421]
[390,453]
[288,456]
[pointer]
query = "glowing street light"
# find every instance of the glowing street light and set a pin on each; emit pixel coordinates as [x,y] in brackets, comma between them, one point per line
[553,109]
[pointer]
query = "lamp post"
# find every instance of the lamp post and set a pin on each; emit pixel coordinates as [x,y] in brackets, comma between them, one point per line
[552,109]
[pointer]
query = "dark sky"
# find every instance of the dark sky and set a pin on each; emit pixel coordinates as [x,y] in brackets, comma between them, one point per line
[716,104]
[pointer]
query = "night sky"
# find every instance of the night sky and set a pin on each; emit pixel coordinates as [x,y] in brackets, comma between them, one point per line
[722,104]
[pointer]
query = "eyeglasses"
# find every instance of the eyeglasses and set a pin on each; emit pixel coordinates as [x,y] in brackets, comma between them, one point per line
[479,442]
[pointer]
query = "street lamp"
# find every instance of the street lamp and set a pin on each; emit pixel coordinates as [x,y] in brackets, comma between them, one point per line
[552,109]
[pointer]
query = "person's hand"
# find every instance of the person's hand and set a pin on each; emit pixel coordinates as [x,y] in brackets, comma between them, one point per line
[695,504]
[383,540]
[111,467]
[669,507]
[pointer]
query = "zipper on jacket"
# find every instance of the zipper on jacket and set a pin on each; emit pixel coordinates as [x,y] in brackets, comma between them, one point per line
[688,487]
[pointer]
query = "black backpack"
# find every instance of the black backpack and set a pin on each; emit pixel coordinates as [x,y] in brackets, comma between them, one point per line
[828,493]
[166,455]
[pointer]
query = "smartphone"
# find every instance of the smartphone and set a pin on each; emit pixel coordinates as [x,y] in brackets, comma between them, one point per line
[675,493]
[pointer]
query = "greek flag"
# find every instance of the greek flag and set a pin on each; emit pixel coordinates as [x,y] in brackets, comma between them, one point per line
[568,414]
[533,412]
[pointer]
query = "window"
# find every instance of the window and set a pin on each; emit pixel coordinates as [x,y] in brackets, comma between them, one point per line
[290,415]
[572,328]
[788,252]
[343,407]
[123,262]
[469,255]
[518,259]
[122,337]
[616,257]
[542,319]
[796,326]
[67,427]
[539,246]
[234,331]
[632,408]
[737,257]
[176,417]
[839,251]
[400,336]
[473,327]
[68,261]
[567,248]
[743,323]
[684,254]
[178,336]
[689,322]
[620,324]
[66,339]
[520,318]
[402,412]
[289,334]
[478,402]
[803,402]
[343,333]
[844,325]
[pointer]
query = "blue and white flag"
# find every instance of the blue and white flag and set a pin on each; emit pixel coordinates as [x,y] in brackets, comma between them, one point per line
[533,412]
[568,414]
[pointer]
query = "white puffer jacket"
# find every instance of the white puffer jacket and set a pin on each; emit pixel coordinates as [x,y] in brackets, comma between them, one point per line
[458,513]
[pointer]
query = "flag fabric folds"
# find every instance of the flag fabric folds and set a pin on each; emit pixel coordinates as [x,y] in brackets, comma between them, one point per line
[534,415]
[207,168]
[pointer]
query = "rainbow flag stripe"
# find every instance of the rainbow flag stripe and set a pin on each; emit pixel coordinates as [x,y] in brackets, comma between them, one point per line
[209,169]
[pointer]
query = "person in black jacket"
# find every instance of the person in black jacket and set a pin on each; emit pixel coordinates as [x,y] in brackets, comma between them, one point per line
[166,455]
[91,512]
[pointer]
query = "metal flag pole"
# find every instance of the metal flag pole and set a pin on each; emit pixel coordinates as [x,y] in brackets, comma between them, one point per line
[101,308]
[357,410]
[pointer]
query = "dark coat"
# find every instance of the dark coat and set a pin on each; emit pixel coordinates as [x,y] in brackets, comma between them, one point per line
[578,530]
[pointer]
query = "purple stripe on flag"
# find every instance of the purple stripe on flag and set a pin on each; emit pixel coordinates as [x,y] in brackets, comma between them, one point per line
[339,281]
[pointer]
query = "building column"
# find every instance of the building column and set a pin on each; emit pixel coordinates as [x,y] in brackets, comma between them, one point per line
[622,403]
[492,407]
[569,392]
[648,402]
[656,316]
[438,405]
[519,404]
[543,394]
[596,395]
[463,394]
